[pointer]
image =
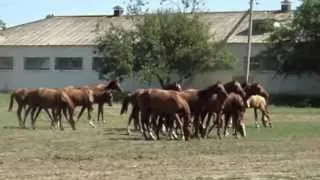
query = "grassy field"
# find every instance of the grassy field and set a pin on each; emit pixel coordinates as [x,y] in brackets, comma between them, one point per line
[290,150]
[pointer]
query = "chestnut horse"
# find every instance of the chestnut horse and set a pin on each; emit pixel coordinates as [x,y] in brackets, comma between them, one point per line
[197,99]
[100,97]
[133,100]
[82,97]
[158,102]
[234,107]
[214,104]
[256,89]
[47,98]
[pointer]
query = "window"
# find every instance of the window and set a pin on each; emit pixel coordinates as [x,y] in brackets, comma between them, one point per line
[6,62]
[36,63]
[97,63]
[68,63]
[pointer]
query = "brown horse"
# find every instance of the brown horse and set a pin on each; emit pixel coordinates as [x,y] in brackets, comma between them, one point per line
[214,104]
[234,107]
[158,102]
[82,97]
[197,99]
[256,89]
[235,87]
[49,99]
[134,115]
[100,97]
[259,102]
[132,99]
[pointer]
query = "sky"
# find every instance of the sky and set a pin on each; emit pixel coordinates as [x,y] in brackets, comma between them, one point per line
[14,12]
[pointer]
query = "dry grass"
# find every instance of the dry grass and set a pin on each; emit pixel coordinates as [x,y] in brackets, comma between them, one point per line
[290,150]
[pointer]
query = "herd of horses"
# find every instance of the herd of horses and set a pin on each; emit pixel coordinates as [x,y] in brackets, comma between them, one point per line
[171,109]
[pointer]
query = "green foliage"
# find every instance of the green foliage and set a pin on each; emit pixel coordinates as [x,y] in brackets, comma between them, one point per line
[295,46]
[116,46]
[162,44]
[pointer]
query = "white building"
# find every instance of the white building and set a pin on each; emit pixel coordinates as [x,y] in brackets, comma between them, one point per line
[58,50]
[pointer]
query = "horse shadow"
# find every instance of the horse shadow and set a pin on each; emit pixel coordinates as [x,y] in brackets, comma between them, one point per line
[127,138]
[26,128]
[14,127]
[116,131]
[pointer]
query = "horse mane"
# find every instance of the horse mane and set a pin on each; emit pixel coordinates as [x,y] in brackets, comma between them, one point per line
[204,92]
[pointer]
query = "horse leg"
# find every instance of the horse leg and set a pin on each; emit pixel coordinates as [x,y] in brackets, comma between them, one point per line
[226,122]
[26,113]
[265,115]
[33,119]
[138,120]
[219,123]
[70,119]
[80,113]
[100,111]
[19,114]
[160,125]
[57,117]
[154,126]
[236,124]
[256,117]
[129,122]
[196,124]
[206,135]
[90,109]
[181,126]
[145,115]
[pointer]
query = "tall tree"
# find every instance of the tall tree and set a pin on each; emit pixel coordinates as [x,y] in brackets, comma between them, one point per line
[163,43]
[295,46]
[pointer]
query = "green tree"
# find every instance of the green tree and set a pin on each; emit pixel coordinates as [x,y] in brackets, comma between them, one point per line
[295,46]
[163,43]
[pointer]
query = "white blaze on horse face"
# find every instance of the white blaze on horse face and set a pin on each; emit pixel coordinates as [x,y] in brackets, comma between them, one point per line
[179,86]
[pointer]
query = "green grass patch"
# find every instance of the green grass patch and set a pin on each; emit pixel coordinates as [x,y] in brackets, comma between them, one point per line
[289,150]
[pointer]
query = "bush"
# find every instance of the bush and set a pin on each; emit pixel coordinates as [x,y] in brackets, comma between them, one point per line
[294,100]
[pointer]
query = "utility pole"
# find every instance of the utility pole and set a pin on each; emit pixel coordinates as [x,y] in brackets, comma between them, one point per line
[249,42]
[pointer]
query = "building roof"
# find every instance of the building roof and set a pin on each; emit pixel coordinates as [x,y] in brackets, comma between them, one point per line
[83,30]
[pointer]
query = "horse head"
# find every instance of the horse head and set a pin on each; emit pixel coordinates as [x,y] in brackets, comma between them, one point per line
[113,85]
[174,86]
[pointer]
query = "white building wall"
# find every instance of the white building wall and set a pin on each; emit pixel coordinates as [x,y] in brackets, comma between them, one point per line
[19,78]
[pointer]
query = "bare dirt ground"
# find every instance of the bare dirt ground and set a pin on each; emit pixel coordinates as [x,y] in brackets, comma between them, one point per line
[290,150]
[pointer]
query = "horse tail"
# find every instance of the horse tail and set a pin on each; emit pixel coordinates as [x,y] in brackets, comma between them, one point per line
[13,95]
[67,99]
[125,104]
